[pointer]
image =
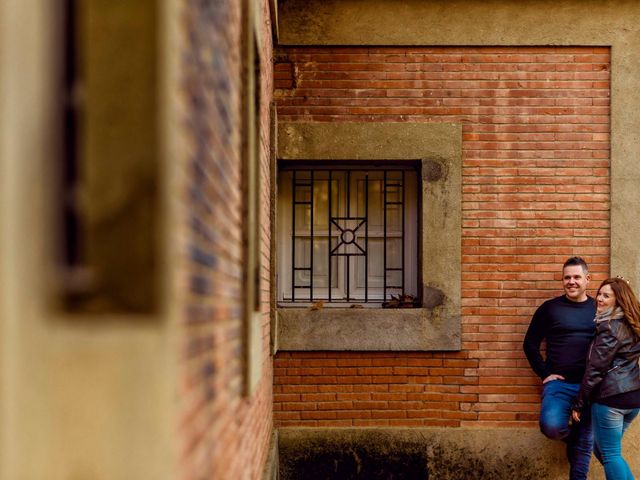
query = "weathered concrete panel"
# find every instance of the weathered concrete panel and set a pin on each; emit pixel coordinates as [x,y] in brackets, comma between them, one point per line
[455,22]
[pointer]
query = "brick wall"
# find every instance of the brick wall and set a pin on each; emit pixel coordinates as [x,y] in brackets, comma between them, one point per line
[223,432]
[535,191]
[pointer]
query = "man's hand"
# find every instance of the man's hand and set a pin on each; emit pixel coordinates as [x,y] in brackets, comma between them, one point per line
[575,415]
[553,376]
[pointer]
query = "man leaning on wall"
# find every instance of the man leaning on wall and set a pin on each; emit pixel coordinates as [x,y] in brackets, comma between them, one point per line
[566,324]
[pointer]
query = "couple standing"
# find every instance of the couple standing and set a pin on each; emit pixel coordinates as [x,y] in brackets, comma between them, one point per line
[590,376]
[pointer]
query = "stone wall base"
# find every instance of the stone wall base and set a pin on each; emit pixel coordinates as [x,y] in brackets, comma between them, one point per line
[419,453]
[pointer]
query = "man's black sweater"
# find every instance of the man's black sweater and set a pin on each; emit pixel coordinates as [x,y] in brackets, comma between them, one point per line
[568,329]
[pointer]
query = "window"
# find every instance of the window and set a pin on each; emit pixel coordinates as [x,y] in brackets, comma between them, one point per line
[315,190]
[347,235]
[108,188]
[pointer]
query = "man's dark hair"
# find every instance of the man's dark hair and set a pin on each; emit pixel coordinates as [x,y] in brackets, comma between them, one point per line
[572,261]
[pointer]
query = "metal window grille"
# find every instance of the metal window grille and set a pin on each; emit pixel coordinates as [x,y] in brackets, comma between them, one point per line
[329,252]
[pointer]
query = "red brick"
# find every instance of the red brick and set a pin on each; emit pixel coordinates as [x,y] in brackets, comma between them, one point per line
[388,396]
[354,396]
[335,406]
[317,415]
[318,397]
[535,190]
[389,414]
[369,405]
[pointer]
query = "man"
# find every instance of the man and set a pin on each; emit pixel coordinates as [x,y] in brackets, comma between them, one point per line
[566,323]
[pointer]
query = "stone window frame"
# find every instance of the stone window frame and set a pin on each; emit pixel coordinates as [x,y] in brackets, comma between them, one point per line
[437,324]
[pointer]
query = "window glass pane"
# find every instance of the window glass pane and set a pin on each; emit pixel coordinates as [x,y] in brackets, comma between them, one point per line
[394,279]
[375,270]
[394,252]
[337,195]
[321,265]
[303,219]
[376,218]
[321,204]
[320,260]
[302,185]
[303,192]
[361,197]
[394,218]
[302,253]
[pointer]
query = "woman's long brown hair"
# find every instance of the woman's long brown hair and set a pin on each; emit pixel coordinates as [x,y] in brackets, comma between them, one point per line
[627,301]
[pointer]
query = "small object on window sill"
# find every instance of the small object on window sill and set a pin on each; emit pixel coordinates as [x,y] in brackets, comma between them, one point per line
[401,301]
[356,305]
[317,305]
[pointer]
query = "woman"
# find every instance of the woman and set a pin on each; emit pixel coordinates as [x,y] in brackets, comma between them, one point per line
[611,383]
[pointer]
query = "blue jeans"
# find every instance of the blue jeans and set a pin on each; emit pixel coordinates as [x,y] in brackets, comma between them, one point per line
[609,424]
[555,411]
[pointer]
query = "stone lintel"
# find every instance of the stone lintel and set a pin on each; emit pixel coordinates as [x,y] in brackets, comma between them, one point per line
[366,140]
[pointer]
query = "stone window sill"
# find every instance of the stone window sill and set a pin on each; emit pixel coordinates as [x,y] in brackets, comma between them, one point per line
[347,329]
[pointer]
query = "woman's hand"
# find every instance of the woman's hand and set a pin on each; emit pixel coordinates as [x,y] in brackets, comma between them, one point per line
[575,415]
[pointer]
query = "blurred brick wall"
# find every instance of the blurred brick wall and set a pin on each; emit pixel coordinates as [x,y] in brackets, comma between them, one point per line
[224,433]
[535,191]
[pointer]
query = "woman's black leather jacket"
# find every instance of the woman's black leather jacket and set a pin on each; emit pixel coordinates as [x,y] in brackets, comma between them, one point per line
[612,367]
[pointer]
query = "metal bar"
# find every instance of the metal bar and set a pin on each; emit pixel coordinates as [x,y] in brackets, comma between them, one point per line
[329,237]
[348,195]
[348,260]
[366,237]
[335,253]
[311,240]
[392,198]
[403,227]
[293,237]
[384,241]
